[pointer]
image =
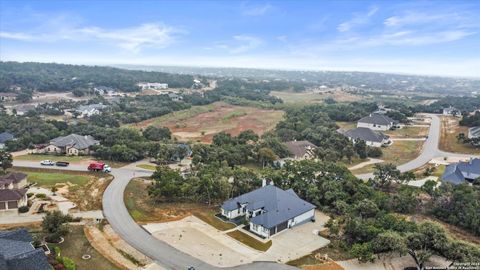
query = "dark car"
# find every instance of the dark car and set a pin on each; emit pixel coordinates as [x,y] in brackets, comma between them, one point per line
[62,163]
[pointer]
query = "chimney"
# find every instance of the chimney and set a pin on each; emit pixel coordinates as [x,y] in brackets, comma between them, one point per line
[264,182]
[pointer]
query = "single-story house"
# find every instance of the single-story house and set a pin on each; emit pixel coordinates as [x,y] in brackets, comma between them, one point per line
[17,252]
[89,110]
[474,132]
[269,209]
[12,199]
[5,137]
[72,144]
[14,180]
[175,97]
[376,122]
[450,111]
[301,149]
[462,172]
[8,96]
[371,137]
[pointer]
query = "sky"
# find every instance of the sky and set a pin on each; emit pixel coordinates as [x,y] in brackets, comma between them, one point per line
[413,37]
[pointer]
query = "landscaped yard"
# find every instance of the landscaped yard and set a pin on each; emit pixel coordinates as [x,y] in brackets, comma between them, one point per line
[144,210]
[398,153]
[250,241]
[200,123]
[76,245]
[448,137]
[208,216]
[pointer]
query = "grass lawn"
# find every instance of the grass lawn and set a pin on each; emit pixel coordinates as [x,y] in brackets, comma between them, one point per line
[76,245]
[45,179]
[250,241]
[448,137]
[147,166]
[398,153]
[144,210]
[35,157]
[408,132]
[210,218]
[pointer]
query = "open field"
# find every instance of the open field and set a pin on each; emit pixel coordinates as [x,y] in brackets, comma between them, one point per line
[76,245]
[310,97]
[250,241]
[408,132]
[200,123]
[45,179]
[448,137]
[144,210]
[398,153]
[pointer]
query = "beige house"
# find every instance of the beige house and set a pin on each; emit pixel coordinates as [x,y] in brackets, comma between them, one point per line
[301,149]
[72,145]
[13,191]
[15,180]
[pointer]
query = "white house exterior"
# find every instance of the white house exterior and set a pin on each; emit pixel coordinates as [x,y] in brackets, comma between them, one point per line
[450,111]
[376,122]
[72,145]
[153,86]
[89,110]
[371,137]
[269,210]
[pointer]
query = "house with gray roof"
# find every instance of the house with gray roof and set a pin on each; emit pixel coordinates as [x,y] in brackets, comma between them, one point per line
[462,172]
[269,210]
[72,144]
[5,137]
[13,180]
[376,122]
[371,137]
[474,132]
[301,149]
[89,110]
[18,253]
[12,199]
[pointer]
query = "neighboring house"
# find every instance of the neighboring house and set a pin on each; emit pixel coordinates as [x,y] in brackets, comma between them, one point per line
[450,111]
[371,137]
[153,86]
[462,172]
[382,110]
[72,144]
[269,209]
[22,109]
[8,96]
[14,180]
[376,122]
[12,199]
[5,137]
[182,151]
[474,132]
[301,149]
[18,253]
[175,97]
[89,110]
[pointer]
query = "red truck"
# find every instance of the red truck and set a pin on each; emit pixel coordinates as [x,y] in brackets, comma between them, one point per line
[99,166]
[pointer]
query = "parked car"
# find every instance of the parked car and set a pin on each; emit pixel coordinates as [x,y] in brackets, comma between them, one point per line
[47,162]
[62,163]
[99,167]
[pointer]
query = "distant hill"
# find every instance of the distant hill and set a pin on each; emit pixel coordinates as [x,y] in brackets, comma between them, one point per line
[59,77]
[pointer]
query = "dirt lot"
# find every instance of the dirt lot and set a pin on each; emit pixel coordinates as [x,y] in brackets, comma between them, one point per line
[311,97]
[200,123]
[408,132]
[448,137]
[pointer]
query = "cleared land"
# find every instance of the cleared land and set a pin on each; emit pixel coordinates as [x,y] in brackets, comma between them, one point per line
[144,210]
[408,132]
[311,97]
[398,153]
[448,137]
[200,123]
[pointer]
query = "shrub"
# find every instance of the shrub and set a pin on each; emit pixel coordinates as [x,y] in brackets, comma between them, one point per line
[68,263]
[374,152]
[41,195]
[30,194]
[23,209]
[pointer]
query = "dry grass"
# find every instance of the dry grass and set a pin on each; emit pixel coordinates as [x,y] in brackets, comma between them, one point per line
[208,216]
[408,132]
[346,125]
[200,123]
[453,230]
[310,97]
[250,241]
[448,137]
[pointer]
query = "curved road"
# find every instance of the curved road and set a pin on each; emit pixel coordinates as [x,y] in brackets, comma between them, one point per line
[167,256]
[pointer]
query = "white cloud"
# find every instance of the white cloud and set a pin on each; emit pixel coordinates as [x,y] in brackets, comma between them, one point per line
[241,44]
[132,39]
[257,10]
[411,18]
[357,20]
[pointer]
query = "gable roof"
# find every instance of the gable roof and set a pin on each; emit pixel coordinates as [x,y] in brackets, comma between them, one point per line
[74,140]
[17,252]
[280,205]
[91,107]
[457,173]
[365,134]
[474,132]
[299,148]
[13,177]
[377,119]
[11,194]
[6,136]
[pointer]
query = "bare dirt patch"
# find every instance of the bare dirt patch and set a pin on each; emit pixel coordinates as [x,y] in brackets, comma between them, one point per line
[89,196]
[200,123]
[448,137]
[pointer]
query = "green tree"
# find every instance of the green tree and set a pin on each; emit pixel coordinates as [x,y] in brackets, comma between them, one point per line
[167,185]
[55,225]
[363,252]
[5,160]
[385,174]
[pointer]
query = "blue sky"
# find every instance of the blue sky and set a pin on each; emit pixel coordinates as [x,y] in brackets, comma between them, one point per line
[420,37]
